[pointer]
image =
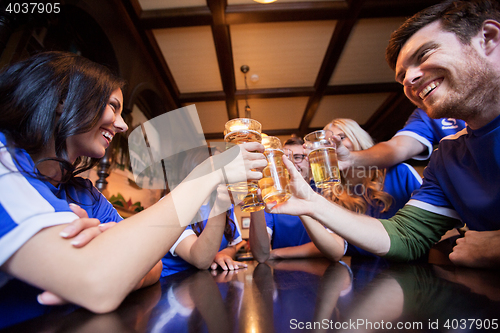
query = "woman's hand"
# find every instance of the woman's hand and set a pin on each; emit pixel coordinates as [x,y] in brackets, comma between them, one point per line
[83,229]
[225,262]
[241,163]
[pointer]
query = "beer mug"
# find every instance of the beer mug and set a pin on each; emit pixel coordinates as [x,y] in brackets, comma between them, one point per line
[275,184]
[322,159]
[238,131]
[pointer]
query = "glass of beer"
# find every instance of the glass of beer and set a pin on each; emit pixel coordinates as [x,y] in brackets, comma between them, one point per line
[238,131]
[322,159]
[275,185]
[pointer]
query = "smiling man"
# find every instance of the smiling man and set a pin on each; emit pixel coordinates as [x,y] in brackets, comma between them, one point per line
[447,58]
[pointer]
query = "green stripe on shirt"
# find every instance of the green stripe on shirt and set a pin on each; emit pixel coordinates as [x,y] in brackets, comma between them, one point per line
[414,230]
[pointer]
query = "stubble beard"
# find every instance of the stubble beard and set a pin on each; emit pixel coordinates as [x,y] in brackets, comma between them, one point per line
[474,91]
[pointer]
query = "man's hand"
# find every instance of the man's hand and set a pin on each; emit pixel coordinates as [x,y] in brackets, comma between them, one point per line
[477,249]
[344,156]
[302,194]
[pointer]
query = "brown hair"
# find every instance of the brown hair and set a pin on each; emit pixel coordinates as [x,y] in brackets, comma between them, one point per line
[463,18]
[294,141]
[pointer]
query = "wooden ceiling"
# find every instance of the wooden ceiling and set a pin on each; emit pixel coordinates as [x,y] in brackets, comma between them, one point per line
[310,61]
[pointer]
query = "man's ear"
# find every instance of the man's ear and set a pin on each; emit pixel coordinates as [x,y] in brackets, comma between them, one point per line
[490,36]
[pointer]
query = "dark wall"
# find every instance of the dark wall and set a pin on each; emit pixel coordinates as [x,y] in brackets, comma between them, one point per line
[100,30]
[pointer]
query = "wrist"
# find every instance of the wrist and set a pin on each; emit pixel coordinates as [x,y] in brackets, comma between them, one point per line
[312,208]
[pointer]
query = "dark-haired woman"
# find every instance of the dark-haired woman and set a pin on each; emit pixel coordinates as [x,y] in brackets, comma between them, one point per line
[58,114]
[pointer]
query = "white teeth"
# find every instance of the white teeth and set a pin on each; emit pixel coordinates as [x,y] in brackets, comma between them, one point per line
[428,89]
[107,135]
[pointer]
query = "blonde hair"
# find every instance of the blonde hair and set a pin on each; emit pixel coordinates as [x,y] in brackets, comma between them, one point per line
[373,182]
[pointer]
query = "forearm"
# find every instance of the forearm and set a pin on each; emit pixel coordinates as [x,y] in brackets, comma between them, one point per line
[230,251]
[330,244]
[413,231]
[151,277]
[307,250]
[87,276]
[258,237]
[203,250]
[388,153]
[360,230]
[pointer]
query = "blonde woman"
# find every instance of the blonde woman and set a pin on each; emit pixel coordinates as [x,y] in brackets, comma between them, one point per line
[375,192]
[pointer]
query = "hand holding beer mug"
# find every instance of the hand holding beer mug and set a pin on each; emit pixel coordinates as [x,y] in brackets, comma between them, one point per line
[322,159]
[238,131]
[274,185]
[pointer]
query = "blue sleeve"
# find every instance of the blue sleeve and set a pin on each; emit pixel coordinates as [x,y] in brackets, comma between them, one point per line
[418,127]
[429,131]
[400,182]
[431,192]
[27,205]
[93,201]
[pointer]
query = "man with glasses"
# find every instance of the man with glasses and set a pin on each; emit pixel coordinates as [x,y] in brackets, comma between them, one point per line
[295,145]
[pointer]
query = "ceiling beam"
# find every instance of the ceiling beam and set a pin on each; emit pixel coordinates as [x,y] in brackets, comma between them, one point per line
[279,12]
[278,132]
[149,43]
[282,12]
[222,40]
[177,17]
[337,43]
[394,8]
[348,89]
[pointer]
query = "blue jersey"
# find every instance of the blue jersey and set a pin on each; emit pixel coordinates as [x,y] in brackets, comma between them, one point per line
[172,263]
[462,179]
[429,131]
[400,182]
[28,204]
[286,230]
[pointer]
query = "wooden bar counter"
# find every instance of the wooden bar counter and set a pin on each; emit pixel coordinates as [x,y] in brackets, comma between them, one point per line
[359,294]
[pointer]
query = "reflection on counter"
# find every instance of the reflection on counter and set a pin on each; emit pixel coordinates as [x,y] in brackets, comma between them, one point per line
[358,294]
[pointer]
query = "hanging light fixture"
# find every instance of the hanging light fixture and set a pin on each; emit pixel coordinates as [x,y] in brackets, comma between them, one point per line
[244,69]
[264,1]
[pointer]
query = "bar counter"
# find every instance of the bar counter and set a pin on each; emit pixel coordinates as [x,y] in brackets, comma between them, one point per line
[359,294]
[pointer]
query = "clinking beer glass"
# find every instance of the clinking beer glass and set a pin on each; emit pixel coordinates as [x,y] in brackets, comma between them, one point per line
[238,131]
[322,159]
[275,184]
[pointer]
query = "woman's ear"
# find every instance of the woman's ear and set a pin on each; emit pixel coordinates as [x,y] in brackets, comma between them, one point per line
[490,36]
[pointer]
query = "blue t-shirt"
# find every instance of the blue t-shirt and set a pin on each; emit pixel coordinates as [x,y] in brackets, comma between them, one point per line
[27,204]
[172,263]
[462,179]
[400,182]
[429,131]
[286,230]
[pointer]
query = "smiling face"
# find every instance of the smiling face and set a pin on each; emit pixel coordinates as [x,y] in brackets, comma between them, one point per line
[94,142]
[303,165]
[443,76]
